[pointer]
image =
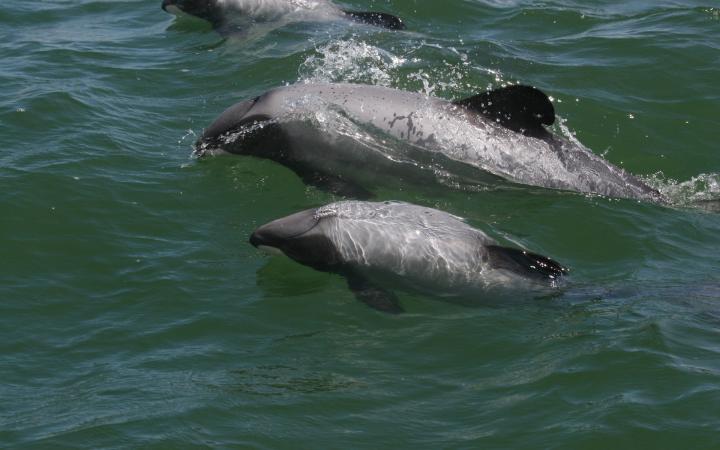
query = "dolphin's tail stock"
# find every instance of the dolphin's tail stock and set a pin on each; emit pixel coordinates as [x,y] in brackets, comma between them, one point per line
[526,263]
[377,19]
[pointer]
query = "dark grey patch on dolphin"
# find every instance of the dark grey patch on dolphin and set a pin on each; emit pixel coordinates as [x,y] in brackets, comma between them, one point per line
[374,245]
[379,19]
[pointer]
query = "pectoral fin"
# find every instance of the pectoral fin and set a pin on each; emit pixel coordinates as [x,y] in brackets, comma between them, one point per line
[377,19]
[373,296]
[334,184]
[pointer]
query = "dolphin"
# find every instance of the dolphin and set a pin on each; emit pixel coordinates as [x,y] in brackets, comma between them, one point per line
[341,137]
[393,243]
[230,16]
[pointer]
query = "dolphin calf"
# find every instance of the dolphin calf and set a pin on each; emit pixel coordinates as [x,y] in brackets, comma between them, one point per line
[342,136]
[229,16]
[372,244]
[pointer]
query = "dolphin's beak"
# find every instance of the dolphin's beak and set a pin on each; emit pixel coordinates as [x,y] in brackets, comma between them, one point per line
[167,3]
[276,233]
[229,120]
[257,239]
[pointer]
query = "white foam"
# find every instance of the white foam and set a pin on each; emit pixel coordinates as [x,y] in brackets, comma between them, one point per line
[350,61]
[703,188]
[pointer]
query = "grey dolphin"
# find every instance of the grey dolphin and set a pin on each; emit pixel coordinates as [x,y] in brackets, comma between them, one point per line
[339,134]
[227,15]
[373,244]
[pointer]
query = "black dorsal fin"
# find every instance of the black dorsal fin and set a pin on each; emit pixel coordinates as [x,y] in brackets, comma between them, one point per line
[377,19]
[520,108]
[525,263]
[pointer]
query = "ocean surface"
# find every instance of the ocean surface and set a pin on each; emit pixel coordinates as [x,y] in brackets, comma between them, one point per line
[134,313]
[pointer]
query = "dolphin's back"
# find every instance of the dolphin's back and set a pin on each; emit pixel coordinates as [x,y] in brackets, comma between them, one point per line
[370,104]
[406,240]
[426,246]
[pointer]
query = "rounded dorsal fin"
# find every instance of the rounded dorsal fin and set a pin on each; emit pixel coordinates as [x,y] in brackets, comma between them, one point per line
[521,108]
[525,263]
[378,19]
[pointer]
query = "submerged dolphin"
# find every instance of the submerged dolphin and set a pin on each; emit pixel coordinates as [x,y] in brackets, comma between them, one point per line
[227,15]
[339,136]
[406,245]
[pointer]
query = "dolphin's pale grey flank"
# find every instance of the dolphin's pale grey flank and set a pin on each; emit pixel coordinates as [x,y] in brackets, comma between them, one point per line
[400,244]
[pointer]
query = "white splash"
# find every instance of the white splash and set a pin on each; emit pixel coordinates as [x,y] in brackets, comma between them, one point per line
[703,189]
[350,61]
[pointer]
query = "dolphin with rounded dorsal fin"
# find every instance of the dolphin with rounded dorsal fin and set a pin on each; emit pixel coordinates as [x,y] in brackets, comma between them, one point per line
[338,136]
[373,244]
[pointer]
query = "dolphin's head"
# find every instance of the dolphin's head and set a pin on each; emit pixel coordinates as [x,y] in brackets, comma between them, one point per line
[301,237]
[240,129]
[204,9]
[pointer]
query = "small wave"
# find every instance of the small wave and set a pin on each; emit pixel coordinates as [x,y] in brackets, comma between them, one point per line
[713,12]
[275,380]
[700,191]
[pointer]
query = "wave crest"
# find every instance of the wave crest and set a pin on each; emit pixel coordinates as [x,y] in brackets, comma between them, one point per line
[702,190]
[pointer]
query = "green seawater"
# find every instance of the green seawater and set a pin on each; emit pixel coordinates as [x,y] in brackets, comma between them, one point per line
[134,314]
